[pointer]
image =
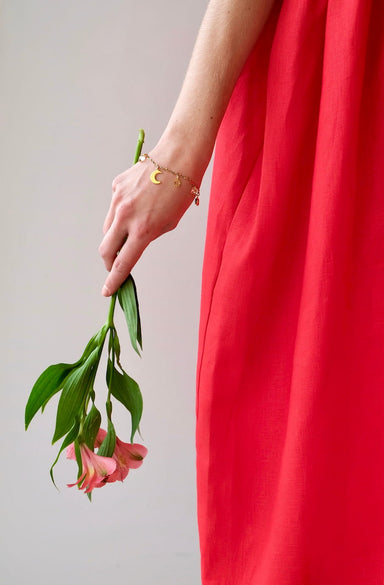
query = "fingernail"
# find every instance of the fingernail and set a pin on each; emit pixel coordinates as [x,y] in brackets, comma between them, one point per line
[105,291]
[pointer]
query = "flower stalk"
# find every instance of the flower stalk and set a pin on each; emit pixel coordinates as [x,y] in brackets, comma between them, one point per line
[78,420]
[111,311]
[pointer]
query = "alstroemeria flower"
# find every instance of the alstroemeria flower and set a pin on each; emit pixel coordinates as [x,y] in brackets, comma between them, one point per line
[127,456]
[96,469]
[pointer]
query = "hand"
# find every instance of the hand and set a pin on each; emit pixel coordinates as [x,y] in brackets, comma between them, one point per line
[139,213]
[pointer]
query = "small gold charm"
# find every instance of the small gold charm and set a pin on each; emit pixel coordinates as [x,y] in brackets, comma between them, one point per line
[195,191]
[153,176]
[177,181]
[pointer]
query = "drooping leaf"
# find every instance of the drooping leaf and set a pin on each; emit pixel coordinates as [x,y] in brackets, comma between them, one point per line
[127,391]
[76,388]
[94,342]
[51,380]
[110,342]
[128,301]
[108,408]
[78,459]
[46,386]
[113,345]
[107,447]
[70,438]
[116,346]
[139,336]
[91,427]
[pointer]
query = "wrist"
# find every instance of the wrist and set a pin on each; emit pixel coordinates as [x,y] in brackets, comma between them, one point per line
[184,152]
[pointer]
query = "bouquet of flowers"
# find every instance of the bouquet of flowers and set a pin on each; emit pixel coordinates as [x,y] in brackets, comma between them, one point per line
[78,420]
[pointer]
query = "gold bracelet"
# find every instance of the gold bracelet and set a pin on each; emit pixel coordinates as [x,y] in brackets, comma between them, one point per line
[177,182]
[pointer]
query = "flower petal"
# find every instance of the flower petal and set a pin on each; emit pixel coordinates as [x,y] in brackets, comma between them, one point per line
[78,481]
[120,474]
[70,451]
[101,434]
[96,469]
[132,453]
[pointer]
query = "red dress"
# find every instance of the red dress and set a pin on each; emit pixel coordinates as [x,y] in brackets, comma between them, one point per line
[290,402]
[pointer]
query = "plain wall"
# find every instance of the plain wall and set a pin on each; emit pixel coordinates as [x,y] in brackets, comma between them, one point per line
[78,79]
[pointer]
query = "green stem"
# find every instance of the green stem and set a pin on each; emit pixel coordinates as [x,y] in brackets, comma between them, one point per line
[111,310]
[102,335]
[140,142]
[112,345]
[110,323]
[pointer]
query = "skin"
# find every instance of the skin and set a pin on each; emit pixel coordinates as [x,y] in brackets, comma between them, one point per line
[141,211]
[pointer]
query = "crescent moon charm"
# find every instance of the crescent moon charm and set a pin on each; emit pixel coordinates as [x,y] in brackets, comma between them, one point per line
[153,177]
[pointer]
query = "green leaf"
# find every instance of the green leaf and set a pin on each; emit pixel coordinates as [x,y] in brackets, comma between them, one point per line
[116,346]
[91,427]
[127,296]
[107,447]
[126,391]
[70,438]
[113,344]
[94,342]
[76,388]
[52,379]
[78,459]
[138,332]
[46,386]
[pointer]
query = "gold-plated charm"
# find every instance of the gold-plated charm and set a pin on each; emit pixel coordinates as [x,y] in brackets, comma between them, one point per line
[196,192]
[177,181]
[153,176]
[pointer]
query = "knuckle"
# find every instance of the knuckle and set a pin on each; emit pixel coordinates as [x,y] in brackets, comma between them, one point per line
[116,181]
[124,209]
[120,266]
[102,250]
[144,231]
[117,193]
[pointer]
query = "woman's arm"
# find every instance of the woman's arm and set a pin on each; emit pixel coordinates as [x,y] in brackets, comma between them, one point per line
[141,211]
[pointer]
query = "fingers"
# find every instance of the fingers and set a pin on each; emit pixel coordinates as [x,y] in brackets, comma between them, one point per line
[116,198]
[117,195]
[112,242]
[123,264]
[109,217]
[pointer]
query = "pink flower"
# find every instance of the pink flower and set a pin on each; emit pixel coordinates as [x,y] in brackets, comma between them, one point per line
[96,469]
[127,456]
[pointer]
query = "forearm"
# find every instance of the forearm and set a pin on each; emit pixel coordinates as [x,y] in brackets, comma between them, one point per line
[141,211]
[227,35]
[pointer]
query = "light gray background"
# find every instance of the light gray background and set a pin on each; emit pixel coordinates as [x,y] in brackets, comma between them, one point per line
[78,79]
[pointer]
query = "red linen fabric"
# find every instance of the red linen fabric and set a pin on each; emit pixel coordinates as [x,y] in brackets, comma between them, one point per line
[290,393]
